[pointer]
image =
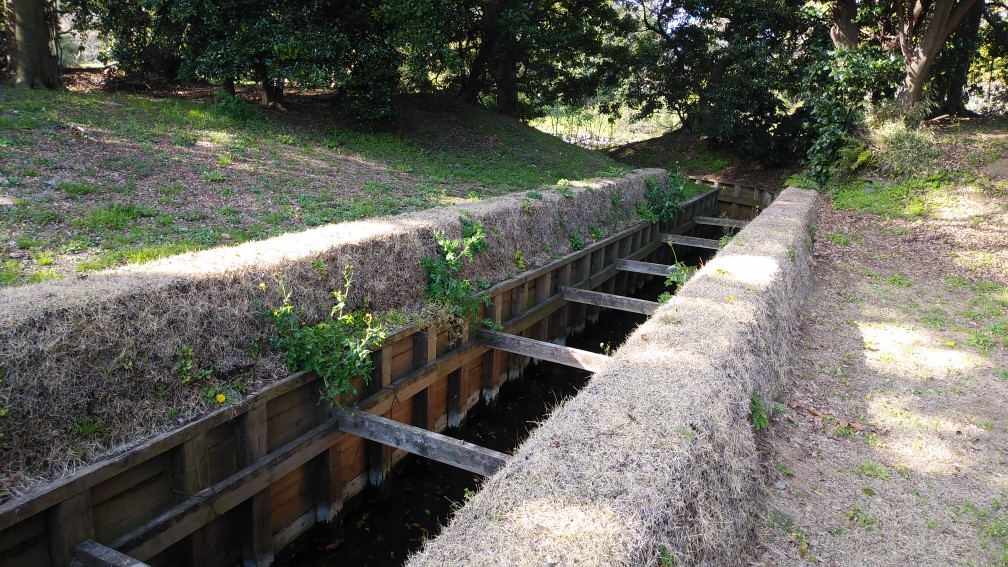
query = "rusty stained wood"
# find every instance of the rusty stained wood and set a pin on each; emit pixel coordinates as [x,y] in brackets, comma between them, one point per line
[643,267]
[609,300]
[692,241]
[565,355]
[441,448]
[94,554]
[718,221]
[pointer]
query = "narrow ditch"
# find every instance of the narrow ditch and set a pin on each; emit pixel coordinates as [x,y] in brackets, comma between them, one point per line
[382,525]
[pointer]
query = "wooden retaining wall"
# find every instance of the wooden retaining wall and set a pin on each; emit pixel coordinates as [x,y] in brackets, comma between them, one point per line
[244,481]
[737,201]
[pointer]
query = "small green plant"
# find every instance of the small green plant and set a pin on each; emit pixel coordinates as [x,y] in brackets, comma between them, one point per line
[596,233]
[564,190]
[646,214]
[213,175]
[185,368]
[899,280]
[444,287]
[856,517]
[838,238]
[872,469]
[679,273]
[74,190]
[533,194]
[664,298]
[90,428]
[519,260]
[576,241]
[723,241]
[759,414]
[10,270]
[784,470]
[665,558]
[1001,374]
[338,349]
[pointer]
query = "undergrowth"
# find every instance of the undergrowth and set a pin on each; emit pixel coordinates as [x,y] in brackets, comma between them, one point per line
[337,349]
[460,297]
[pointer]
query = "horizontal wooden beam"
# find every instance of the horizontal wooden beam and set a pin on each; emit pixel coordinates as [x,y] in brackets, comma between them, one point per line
[643,267]
[718,221]
[93,554]
[441,448]
[565,355]
[692,241]
[609,300]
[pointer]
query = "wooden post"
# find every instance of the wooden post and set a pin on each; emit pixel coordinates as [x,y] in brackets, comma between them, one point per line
[192,474]
[561,319]
[493,360]
[544,284]
[424,351]
[70,522]
[257,534]
[380,456]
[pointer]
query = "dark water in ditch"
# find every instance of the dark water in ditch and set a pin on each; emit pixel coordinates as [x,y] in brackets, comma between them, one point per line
[382,526]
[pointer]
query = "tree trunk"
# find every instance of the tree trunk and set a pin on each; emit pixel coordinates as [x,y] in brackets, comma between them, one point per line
[34,64]
[845,32]
[506,73]
[965,45]
[946,16]
[9,47]
[228,86]
[272,94]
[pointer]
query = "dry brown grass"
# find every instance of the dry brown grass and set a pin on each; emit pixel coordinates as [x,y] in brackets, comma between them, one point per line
[655,459]
[893,378]
[88,364]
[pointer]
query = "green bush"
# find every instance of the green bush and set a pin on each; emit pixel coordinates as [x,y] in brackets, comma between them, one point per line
[337,349]
[444,287]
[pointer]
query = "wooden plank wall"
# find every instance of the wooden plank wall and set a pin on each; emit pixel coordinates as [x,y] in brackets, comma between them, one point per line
[740,202]
[423,376]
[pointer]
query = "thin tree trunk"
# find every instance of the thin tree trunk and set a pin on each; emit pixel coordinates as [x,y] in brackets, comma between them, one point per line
[34,64]
[10,46]
[228,86]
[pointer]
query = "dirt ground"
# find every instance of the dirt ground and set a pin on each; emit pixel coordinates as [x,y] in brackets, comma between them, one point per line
[894,446]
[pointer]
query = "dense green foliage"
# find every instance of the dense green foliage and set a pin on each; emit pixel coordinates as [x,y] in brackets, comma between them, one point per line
[338,349]
[445,289]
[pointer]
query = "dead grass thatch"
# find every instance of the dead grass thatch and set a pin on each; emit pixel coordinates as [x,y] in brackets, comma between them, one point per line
[654,462]
[87,365]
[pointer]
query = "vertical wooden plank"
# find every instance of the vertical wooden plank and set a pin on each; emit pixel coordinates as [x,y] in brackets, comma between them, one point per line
[192,474]
[544,286]
[252,444]
[379,456]
[493,359]
[734,206]
[561,319]
[424,351]
[455,401]
[69,523]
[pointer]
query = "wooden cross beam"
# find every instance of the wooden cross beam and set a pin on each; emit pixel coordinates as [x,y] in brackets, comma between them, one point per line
[609,300]
[542,350]
[418,441]
[718,221]
[692,241]
[94,554]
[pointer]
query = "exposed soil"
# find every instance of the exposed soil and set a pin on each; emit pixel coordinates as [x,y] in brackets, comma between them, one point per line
[894,446]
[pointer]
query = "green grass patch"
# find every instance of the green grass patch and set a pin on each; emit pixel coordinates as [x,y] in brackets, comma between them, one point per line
[905,199]
[838,238]
[116,216]
[74,190]
[899,280]
[10,271]
[872,469]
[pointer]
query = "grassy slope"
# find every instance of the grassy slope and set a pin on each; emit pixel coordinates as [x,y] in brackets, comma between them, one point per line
[89,181]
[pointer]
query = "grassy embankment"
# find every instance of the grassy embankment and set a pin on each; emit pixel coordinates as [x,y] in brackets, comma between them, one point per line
[90,181]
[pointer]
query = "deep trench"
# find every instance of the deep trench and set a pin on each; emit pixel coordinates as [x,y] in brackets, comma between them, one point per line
[383,525]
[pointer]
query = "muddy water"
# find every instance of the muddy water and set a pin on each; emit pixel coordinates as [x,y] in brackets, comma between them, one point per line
[382,526]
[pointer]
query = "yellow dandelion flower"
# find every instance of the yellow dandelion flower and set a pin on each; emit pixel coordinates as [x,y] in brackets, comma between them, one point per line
[221,398]
[951,343]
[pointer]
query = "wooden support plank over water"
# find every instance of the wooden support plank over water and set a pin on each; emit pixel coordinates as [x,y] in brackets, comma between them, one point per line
[441,448]
[609,300]
[544,351]
[643,267]
[692,241]
[94,554]
[718,221]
